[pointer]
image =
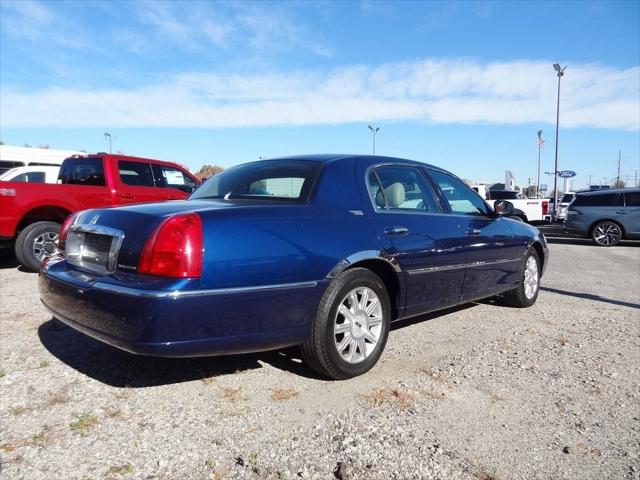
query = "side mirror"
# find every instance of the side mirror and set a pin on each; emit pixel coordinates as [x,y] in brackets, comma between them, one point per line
[503,208]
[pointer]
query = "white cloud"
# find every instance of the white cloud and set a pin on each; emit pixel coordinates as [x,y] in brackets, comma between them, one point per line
[436,91]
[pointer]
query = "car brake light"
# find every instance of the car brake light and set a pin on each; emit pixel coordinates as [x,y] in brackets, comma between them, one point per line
[64,230]
[545,208]
[174,249]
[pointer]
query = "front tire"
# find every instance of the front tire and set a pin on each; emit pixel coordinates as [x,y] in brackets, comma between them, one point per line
[351,326]
[526,293]
[606,234]
[35,243]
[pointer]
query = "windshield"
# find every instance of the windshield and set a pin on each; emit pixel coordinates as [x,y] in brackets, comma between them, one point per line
[288,180]
[566,198]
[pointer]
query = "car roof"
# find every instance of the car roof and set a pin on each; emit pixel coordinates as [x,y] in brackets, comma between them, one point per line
[609,190]
[336,157]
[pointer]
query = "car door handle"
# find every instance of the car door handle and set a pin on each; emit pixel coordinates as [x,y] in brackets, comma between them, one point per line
[126,195]
[396,231]
[621,212]
[474,231]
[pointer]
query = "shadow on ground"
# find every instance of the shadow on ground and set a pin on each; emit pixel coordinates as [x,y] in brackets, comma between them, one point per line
[590,296]
[118,368]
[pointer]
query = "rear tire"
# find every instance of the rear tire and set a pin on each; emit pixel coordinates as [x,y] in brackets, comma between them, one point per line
[351,326]
[35,243]
[526,293]
[606,234]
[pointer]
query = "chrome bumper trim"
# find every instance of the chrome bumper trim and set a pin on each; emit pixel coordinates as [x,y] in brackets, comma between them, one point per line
[134,292]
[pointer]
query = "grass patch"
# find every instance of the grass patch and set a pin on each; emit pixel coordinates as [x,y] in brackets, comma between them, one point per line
[281,394]
[2,372]
[562,340]
[44,364]
[19,410]
[121,469]
[401,399]
[84,422]
[231,395]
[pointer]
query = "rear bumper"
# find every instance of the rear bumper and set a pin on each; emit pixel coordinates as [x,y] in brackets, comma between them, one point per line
[183,323]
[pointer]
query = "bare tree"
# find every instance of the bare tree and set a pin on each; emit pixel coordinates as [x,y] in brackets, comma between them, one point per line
[207,171]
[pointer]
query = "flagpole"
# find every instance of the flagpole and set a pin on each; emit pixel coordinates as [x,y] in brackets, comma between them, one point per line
[539,145]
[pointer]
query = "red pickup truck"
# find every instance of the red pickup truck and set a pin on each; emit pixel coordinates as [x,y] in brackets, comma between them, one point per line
[31,214]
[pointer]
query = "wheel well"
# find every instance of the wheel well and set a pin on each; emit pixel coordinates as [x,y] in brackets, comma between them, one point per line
[388,276]
[52,214]
[593,225]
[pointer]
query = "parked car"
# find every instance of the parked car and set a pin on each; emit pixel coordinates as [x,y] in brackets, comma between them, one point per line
[527,209]
[606,216]
[30,215]
[322,251]
[38,174]
[563,204]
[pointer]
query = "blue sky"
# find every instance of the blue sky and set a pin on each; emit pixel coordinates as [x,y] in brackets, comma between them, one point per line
[464,85]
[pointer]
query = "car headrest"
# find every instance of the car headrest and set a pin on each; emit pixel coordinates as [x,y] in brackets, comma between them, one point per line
[394,194]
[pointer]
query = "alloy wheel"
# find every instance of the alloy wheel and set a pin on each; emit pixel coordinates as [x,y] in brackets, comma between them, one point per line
[607,234]
[45,245]
[358,325]
[531,278]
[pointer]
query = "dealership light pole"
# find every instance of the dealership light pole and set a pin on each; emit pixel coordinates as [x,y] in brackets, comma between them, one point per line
[560,72]
[108,135]
[374,130]
[540,141]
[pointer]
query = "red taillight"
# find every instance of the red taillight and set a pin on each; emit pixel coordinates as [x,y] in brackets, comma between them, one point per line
[64,230]
[175,248]
[545,208]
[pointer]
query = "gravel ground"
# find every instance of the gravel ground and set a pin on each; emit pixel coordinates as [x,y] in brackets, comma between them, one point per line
[482,392]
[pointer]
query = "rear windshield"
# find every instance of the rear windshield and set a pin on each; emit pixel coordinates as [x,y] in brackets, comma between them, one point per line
[287,180]
[82,171]
[501,195]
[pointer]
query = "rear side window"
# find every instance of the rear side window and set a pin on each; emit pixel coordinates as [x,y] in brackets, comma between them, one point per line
[289,180]
[170,177]
[632,199]
[136,173]
[82,171]
[401,188]
[600,200]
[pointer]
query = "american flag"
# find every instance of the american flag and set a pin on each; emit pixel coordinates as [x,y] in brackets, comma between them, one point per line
[541,142]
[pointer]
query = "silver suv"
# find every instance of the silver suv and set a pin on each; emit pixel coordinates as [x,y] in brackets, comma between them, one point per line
[607,216]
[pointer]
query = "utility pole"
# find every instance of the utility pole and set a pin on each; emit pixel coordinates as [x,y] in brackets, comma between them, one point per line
[589,184]
[618,177]
[540,143]
[108,135]
[560,72]
[374,130]
[635,182]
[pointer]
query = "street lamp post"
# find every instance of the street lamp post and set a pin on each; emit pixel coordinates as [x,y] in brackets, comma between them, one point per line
[560,72]
[374,130]
[108,135]
[539,147]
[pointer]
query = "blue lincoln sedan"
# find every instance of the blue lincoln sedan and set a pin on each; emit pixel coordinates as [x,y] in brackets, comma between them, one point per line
[321,251]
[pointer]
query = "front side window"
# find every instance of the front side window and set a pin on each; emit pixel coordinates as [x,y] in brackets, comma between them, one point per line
[82,171]
[401,188]
[462,199]
[136,173]
[170,177]
[289,180]
[632,199]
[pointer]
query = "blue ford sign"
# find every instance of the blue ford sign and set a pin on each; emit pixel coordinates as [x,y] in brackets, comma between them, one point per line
[566,173]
